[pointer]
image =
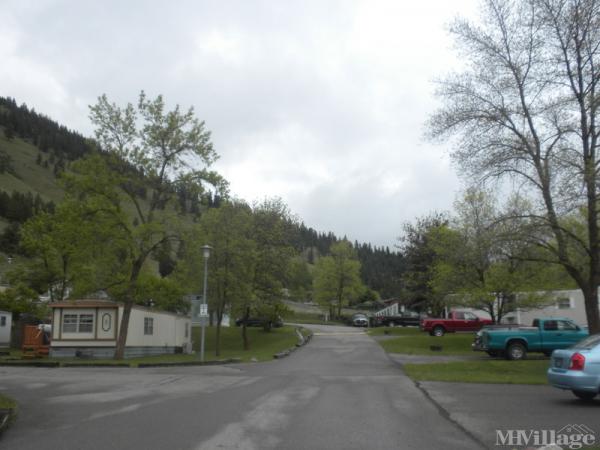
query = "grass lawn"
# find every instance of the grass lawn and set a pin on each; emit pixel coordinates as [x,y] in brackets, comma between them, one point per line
[7,402]
[394,331]
[419,343]
[485,371]
[263,345]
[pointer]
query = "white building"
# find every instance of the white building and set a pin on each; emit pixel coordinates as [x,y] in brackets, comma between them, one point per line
[567,303]
[90,328]
[5,328]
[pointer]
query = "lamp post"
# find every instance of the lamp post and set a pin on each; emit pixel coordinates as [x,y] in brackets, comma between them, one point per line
[204,306]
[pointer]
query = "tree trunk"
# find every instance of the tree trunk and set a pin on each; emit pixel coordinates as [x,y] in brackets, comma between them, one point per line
[122,339]
[129,300]
[592,311]
[219,314]
[244,333]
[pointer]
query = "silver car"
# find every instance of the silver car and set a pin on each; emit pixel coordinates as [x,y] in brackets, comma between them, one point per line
[577,368]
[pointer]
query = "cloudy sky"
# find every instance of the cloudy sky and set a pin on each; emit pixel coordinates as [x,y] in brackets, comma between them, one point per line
[321,103]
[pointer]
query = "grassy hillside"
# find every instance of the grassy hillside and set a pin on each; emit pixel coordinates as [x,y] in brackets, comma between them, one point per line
[28,176]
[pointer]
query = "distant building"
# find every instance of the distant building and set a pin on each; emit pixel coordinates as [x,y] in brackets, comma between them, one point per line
[89,328]
[5,329]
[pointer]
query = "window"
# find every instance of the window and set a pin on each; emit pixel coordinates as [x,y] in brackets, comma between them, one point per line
[563,303]
[550,325]
[459,316]
[78,323]
[470,316]
[148,325]
[3,321]
[565,325]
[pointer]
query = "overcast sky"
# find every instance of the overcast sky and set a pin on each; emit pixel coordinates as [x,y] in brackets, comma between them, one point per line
[321,103]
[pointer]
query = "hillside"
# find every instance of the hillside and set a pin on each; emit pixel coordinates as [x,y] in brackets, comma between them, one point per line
[34,150]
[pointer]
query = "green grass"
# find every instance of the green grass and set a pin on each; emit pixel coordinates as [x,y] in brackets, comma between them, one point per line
[485,371]
[419,344]
[394,331]
[263,345]
[7,402]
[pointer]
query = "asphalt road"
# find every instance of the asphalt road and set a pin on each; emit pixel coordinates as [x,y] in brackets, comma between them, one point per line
[339,392]
[482,409]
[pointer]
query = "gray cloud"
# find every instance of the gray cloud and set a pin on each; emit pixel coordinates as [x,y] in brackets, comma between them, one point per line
[321,103]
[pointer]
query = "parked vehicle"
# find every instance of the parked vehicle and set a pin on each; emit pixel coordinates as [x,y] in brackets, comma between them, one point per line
[477,343]
[577,368]
[545,335]
[456,321]
[360,320]
[260,322]
[404,319]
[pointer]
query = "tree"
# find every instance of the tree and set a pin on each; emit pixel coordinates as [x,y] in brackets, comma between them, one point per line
[420,257]
[147,145]
[526,107]
[272,256]
[231,263]
[476,266]
[337,278]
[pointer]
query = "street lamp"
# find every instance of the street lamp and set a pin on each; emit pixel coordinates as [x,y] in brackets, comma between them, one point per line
[204,307]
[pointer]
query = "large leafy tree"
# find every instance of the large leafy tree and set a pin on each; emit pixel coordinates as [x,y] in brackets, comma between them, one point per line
[477,267]
[147,146]
[231,263]
[525,107]
[337,278]
[420,256]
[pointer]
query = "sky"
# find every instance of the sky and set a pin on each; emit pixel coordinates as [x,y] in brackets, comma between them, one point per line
[321,103]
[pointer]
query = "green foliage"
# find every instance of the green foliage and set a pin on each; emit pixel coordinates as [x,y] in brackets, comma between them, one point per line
[420,257]
[337,278]
[166,294]
[21,299]
[300,280]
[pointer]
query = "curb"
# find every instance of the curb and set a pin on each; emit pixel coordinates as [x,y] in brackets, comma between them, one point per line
[191,363]
[7,417]
[301,343]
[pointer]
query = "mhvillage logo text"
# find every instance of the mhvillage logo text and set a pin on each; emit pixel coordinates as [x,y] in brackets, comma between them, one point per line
[571,436]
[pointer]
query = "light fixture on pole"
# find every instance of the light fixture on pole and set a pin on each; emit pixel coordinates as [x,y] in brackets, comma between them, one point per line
[204,306]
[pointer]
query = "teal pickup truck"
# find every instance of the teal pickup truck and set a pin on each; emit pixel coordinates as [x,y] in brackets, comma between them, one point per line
[544,335]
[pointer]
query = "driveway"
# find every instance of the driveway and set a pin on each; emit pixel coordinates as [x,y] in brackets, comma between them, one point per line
[339,392]
[482,409]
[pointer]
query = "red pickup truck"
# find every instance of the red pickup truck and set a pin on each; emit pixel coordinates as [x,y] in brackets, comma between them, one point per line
[456,321]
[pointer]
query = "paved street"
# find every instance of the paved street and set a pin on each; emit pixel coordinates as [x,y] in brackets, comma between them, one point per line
[339,392]
[484,408]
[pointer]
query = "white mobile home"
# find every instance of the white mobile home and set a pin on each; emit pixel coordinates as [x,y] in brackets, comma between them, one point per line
[90,328]
[5,328]
[568,303]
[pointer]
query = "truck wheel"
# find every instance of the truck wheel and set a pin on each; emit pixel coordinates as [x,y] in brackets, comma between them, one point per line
[516,351]
[585,395]
[438,331]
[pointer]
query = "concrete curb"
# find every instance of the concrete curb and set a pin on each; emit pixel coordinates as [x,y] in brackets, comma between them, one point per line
[192,363]
[7,417]
[301,343]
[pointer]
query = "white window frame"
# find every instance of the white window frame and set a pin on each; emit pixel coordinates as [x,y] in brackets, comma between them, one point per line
[78,323]
[148,326]
[561,303]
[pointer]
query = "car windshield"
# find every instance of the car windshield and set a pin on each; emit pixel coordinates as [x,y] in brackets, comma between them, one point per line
[588,343]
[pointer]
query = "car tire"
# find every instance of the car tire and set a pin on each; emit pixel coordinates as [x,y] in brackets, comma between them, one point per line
[438,331]
[585,395]
[516,351]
